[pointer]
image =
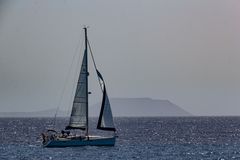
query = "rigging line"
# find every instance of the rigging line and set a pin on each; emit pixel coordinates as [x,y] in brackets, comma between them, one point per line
[95,66]
[65,83]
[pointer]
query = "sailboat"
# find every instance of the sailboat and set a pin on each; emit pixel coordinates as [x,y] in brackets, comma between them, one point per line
[79,119]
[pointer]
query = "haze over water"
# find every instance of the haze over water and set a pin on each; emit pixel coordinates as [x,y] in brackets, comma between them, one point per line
[183,51]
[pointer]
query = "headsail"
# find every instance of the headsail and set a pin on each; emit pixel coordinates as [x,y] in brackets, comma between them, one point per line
[105,121]
[78,117]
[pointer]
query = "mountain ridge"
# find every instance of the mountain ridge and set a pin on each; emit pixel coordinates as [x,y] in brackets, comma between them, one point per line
[121,107]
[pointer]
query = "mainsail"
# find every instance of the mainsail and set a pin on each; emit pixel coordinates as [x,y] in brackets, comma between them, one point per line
[105,121]
[78,119]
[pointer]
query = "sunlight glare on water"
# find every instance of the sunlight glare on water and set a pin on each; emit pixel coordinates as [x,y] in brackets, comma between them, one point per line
[139,138]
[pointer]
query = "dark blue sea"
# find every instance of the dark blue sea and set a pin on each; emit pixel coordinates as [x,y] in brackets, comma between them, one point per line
[139,138]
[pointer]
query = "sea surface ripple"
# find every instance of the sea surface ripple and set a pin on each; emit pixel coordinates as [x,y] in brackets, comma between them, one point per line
[139,138]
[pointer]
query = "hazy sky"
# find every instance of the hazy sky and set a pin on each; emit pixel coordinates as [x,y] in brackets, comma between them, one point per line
[182,50]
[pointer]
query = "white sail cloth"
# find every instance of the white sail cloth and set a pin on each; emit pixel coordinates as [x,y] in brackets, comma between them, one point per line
[105,121]
[78,117]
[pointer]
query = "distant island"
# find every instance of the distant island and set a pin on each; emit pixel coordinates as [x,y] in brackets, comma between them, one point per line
[132,107]
[121,107]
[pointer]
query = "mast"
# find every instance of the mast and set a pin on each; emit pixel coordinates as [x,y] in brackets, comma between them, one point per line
[86,50]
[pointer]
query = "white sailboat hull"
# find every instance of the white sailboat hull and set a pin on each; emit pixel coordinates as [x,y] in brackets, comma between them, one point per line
[91,141]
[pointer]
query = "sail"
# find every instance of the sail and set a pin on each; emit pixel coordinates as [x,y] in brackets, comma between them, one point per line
[78,117]
[105,121]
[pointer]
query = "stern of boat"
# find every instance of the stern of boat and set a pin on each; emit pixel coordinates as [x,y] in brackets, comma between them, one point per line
[48,136]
